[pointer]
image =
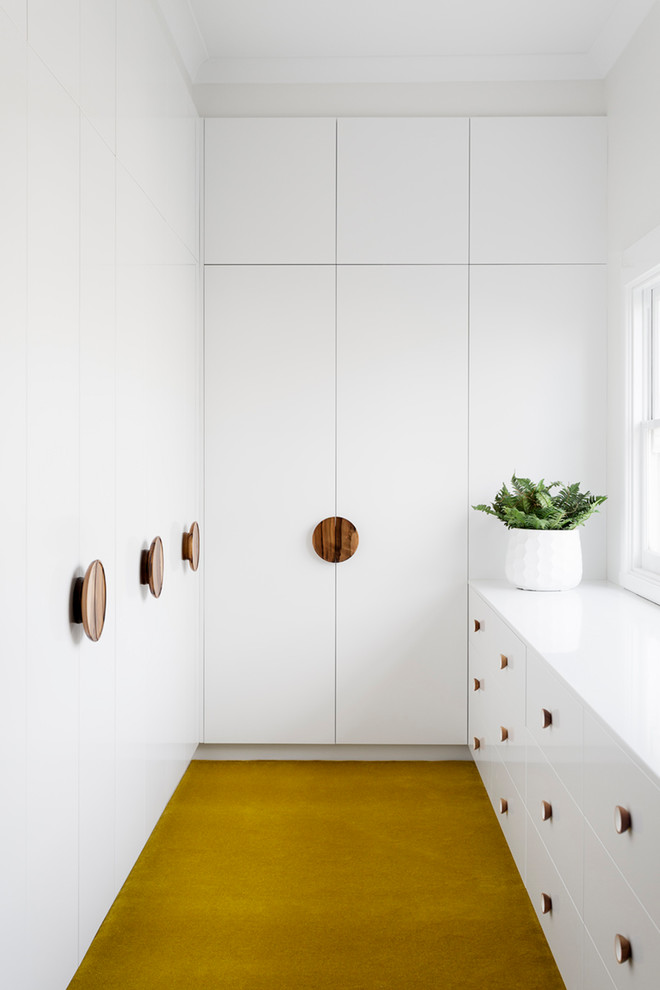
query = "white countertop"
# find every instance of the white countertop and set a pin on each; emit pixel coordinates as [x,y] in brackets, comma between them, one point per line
[604,642]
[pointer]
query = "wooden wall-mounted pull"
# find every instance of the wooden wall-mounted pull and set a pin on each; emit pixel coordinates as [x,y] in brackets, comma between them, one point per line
[622,949]
[476,684]
[152,566]
[622,819]
[504,661]
[335,539]
[476,742]
[546,718]
[546,811]
[89,597]
[504,806]
[546,904]
[477,625]
[190,546]
[504,734]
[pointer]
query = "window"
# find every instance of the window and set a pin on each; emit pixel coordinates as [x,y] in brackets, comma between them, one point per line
[644,437]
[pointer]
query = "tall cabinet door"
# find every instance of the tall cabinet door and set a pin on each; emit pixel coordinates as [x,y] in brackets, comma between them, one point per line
[270,457]
[402,480]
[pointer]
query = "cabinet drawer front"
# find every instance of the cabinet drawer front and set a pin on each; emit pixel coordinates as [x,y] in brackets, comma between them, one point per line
[554,719]
[610,910]
[480,736]
[557,819]
[510,811]
[612,781]
[562,925]
[596,976]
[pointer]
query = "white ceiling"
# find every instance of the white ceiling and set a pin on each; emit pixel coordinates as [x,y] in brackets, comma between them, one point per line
[401,40]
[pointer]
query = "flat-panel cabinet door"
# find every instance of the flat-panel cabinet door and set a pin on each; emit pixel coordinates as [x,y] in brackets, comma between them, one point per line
[270,442]
[538,190]
[270,191]
[402,476]
[402,190]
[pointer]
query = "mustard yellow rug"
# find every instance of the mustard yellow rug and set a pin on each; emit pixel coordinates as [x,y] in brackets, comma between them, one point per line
[310,875]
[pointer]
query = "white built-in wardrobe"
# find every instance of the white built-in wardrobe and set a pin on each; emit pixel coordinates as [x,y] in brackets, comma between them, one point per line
[380,294]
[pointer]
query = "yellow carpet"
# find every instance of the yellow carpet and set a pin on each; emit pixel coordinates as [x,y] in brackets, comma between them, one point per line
[309,875]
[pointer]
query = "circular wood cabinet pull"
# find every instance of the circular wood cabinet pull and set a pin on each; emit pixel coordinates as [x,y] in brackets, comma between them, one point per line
[476,684]
[546,718]
[546,811]
[89,596]
[622,948]
[477,625]
[546,903]
[190,546]
[335,539]
[152,566]
[504,734]
[504,661]
[476,742]
[622,819]
[504,806]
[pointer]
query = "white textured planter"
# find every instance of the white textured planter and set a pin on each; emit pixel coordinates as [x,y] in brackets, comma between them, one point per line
[544,560]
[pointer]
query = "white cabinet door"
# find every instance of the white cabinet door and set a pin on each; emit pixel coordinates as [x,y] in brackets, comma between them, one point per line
[270,191]
[270,428]
[537,368]
[401,477]
[538,190]
[402,190]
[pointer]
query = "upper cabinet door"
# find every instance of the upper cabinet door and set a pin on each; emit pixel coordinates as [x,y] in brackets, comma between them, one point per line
[538,189]
[270,191]
[402,191]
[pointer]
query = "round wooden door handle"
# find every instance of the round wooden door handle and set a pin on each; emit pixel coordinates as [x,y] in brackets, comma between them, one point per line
[622,948]
[335,539]
[190,546]
[152,566]
[622,819]
[89,598]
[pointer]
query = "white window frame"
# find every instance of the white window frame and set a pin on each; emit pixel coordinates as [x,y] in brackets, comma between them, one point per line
[642,573]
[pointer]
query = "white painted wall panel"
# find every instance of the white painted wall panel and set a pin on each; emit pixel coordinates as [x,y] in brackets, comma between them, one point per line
[402,190]
[270,191]
[97,527]
[156,119]
[98,73]
[270,604]
[538,188]
[53,528]
[402,479]
[13,277]
[537,395]
[53,32]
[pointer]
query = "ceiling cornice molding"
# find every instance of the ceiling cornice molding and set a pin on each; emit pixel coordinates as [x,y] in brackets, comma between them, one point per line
[301,71]
[186,34]
[624,22]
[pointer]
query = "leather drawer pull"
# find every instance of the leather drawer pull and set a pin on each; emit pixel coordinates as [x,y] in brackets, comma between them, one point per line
[622,948]
[152,566]
[335,539]
[89,599]
[622,819]
[190,546]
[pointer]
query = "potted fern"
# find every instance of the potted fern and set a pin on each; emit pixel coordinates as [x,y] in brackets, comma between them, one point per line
[544,552]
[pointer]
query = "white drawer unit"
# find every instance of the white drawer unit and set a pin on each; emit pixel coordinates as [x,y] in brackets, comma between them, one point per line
[626,939]
[592,781]
[554,719]
[557,914]
[623,807]
[557,819]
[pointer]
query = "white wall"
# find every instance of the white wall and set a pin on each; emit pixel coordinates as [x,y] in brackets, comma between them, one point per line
[633,102]
[100,355]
